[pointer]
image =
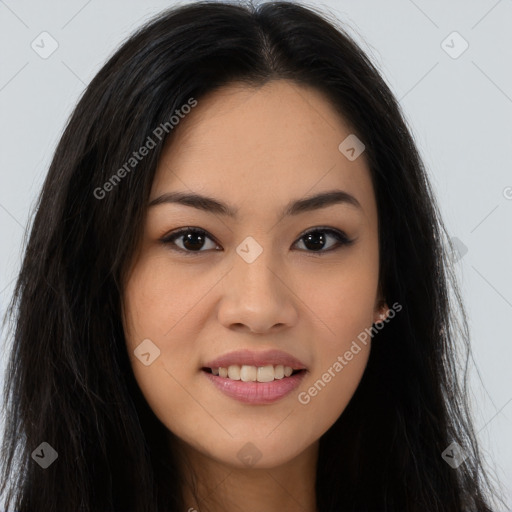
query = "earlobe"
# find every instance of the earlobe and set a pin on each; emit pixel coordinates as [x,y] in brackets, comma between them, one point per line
[381,313]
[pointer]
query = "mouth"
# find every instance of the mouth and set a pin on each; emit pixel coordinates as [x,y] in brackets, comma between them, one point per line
[244,384]
[255,377]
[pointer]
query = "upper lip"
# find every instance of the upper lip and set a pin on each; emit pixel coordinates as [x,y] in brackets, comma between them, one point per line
[250,358]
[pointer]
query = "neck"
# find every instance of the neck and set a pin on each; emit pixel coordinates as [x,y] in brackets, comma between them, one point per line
[221,487]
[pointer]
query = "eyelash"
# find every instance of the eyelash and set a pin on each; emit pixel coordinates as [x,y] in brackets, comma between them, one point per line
[340,236]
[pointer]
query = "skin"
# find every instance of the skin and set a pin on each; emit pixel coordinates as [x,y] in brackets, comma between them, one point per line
[256,149]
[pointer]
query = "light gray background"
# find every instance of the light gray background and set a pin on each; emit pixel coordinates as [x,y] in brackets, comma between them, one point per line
[460,112]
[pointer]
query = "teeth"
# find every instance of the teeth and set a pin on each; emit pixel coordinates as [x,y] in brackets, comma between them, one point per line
[248,373]
[234,372]
[265,374]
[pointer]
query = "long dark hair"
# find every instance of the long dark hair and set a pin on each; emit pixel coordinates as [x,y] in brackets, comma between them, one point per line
[69,382]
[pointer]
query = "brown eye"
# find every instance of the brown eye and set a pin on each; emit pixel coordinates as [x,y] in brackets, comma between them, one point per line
[316,239]
[192,240]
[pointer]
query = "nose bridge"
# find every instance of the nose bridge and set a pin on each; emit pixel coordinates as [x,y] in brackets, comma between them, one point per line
[255,267]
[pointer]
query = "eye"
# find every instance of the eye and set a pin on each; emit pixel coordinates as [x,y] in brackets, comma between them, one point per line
[192,240]
[316,239]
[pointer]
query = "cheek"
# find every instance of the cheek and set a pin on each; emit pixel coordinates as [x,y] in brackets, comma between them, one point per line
[341,300]
[159,295]
[343,305]
[162,304]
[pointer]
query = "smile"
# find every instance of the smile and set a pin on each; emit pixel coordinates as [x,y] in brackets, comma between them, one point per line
[252,391]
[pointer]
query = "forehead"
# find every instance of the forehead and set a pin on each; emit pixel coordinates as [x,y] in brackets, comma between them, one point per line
[258,146]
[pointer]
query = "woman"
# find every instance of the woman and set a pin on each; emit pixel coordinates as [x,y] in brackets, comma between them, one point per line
[235,289]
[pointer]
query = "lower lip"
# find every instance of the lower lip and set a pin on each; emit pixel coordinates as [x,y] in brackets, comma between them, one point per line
[256,392]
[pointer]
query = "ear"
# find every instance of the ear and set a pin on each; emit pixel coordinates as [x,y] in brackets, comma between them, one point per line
[381,310]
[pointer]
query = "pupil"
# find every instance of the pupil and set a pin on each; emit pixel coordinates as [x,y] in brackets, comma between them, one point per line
[190,239]
[314,239]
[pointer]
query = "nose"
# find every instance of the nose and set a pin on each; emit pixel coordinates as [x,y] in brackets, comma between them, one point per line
[258,296]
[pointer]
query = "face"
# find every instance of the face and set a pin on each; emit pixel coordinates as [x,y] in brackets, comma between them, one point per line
[256,276]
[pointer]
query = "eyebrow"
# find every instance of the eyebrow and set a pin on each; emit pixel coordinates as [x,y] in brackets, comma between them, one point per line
[294,207]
